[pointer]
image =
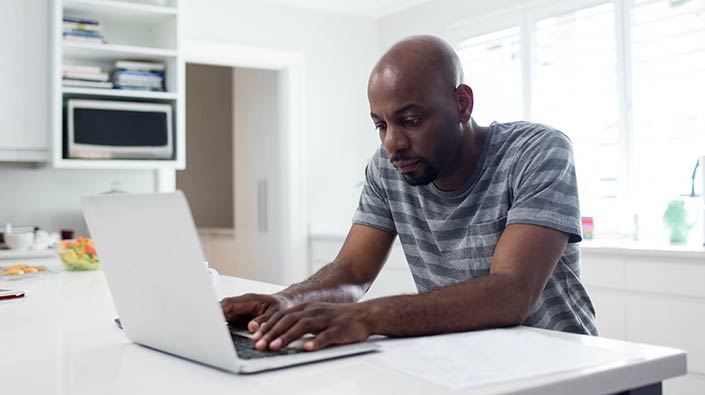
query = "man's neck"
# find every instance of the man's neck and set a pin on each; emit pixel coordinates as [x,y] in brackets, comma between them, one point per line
[468,159]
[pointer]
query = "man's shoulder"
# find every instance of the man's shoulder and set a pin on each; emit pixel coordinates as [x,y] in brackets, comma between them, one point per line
[523,131]
[518,139]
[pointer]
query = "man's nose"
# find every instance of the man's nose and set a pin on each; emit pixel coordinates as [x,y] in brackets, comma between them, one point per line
[395,140]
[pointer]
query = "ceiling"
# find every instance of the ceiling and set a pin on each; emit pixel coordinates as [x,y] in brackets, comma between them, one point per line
[368,8]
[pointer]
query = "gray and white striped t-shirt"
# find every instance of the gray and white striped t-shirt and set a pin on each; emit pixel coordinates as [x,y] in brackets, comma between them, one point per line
[525,175]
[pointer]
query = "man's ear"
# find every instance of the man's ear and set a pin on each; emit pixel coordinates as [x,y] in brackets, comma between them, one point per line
[466,101]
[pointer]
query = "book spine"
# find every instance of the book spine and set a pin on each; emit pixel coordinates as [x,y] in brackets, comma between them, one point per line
[138,88]
[81,21]
[86,77]
[81,26]
[82,69]
[138,74]
[83,39]
[87,84]
[82,33]
[139,66]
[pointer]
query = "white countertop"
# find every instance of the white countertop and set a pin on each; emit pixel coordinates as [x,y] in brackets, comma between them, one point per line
[61,339]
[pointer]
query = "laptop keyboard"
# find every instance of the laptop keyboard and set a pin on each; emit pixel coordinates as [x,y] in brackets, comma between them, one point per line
[246,349]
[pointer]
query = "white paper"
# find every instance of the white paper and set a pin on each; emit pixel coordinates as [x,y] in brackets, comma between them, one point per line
[476,359]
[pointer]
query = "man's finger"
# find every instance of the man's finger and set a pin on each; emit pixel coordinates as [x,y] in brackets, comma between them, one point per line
[238,306]
[272,330]
[233,310]
[256,322]
[299,329]
[263,327]
[273,315]
[324,339]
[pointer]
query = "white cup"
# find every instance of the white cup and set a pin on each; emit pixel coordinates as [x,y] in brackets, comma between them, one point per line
[213,275]
[19,241]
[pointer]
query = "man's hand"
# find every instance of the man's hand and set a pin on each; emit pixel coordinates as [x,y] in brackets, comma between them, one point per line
[332,323]
[253,309]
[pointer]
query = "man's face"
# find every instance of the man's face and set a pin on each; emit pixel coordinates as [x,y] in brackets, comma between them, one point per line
[417,125]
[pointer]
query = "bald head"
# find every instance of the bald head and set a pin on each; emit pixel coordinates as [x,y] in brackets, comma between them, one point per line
[422,109]
[420,59]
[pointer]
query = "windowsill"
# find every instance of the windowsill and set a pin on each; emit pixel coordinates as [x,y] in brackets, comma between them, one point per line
[640,248]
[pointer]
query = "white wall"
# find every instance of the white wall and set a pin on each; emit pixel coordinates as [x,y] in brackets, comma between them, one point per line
[434,17]
[50,198]
[339,52]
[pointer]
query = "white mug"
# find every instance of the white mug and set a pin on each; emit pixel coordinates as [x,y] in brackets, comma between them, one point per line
[19,241]
[213,275]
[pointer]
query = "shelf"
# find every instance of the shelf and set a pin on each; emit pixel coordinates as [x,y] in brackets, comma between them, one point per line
[140,30]
[115,164]
[107,9]
[24,154]
[121,93]
[113,52]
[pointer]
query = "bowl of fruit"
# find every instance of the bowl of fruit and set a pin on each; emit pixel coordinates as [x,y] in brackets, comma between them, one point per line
[78,254]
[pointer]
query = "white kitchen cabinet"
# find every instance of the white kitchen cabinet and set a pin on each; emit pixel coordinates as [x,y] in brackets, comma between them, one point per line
[24,81]
[611,312]
[669,321]
[655,297]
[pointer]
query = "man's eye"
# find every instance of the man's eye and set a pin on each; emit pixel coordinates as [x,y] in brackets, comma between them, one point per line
[411,121]
[380,127]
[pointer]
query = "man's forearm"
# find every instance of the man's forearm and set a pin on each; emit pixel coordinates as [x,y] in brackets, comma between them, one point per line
[334,283]
[490,301]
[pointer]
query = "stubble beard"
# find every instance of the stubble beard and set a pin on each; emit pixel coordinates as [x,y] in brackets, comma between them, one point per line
[425,176]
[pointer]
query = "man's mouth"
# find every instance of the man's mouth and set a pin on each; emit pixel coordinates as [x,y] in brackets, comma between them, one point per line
[406,166]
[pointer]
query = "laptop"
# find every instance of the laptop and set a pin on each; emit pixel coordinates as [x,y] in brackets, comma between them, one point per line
[154,266]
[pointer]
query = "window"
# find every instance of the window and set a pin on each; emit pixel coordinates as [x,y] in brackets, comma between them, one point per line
[575,89]
[624,79]
[492,68]
[668,63]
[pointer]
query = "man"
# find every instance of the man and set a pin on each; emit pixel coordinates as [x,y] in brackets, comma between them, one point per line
[488,218]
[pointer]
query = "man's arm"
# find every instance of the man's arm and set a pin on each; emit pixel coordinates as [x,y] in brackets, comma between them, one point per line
[346,279]
[523,261]
[351,273]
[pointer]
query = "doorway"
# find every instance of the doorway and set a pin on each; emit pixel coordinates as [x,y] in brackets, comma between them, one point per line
[232,174]
[245,147]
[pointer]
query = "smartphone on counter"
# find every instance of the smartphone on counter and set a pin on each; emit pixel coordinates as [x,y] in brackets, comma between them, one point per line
[10,294]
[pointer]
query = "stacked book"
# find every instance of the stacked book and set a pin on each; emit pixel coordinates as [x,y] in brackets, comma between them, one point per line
[82,30]
[85,77]
[145,76]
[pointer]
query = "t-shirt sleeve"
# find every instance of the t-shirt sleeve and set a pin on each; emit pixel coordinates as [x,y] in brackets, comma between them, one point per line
[373,208]
[544,186]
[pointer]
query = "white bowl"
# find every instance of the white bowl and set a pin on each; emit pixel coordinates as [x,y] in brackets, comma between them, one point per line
[19,241]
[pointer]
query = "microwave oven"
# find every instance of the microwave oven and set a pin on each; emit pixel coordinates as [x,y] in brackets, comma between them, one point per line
[102,129]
